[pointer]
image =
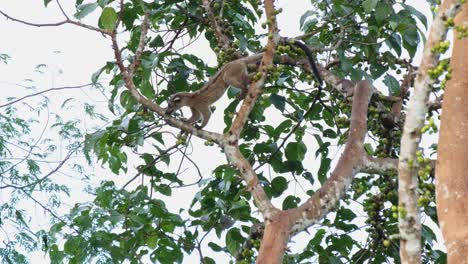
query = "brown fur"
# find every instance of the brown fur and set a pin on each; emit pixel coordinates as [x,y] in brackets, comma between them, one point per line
[232,74]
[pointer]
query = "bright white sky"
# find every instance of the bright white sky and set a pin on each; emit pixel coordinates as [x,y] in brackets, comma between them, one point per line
[74,54]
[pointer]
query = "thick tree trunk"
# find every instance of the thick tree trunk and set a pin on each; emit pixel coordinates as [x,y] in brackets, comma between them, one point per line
[275,239]
[452,159]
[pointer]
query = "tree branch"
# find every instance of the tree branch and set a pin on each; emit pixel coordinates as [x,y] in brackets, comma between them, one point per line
[349,164]
[223,40]
[43,92]
[130,85]
[66,21]
[141,45]
[255,88]
[409,221]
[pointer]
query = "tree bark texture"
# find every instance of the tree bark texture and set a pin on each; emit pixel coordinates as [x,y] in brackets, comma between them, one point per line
[452,159]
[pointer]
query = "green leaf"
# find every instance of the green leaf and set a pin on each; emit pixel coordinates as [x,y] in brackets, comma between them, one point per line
[215,247]
[394,42]
[108,18]
[417,14]
[317,240]
[46,2]
[234,240]
[164,189]
[283,127]
[383,11]
[323,170]
[291,202]
[295,151]
[369,5]
[428,234]
[102,3]
[305,16]
[411,36]
[368,148]
[392,84]
[85,9]
[376,70]
[208,260]
[279,185]
[361,256]
[278,101]
[152,241]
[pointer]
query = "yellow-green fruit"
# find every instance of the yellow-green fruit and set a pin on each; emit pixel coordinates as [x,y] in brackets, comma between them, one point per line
[386,243]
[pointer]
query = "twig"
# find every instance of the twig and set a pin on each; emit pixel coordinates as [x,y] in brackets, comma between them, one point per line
[66,21]
[44,91]
[141,45]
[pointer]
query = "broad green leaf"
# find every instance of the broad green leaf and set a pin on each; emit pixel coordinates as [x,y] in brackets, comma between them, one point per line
[152,241]
[279,185]
[377,70]
[394,42]
[383,11]
[46,2]
[108,18]
[416,13]
[392,84]
[164,189]
[323,170]
[304,17]
[369,5]
[102,3]
[234,240]
[215,247]
[291,202]
[368,148]
[85,9]
[278,101]
[317,240]
[295,151]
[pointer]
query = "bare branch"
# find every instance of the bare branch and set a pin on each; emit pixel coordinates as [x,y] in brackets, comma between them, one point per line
[43,92]
[62,10]
[56,24]
[141,44]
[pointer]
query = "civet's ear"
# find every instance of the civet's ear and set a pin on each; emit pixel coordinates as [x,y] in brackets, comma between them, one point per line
[176,99]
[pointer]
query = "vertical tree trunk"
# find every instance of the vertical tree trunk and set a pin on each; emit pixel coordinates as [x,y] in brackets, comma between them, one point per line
[275,239]
[452,159]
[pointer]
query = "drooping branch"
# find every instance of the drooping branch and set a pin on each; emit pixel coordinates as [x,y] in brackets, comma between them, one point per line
[409,220]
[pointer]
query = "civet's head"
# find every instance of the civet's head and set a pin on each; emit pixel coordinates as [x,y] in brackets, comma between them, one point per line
[176,101]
